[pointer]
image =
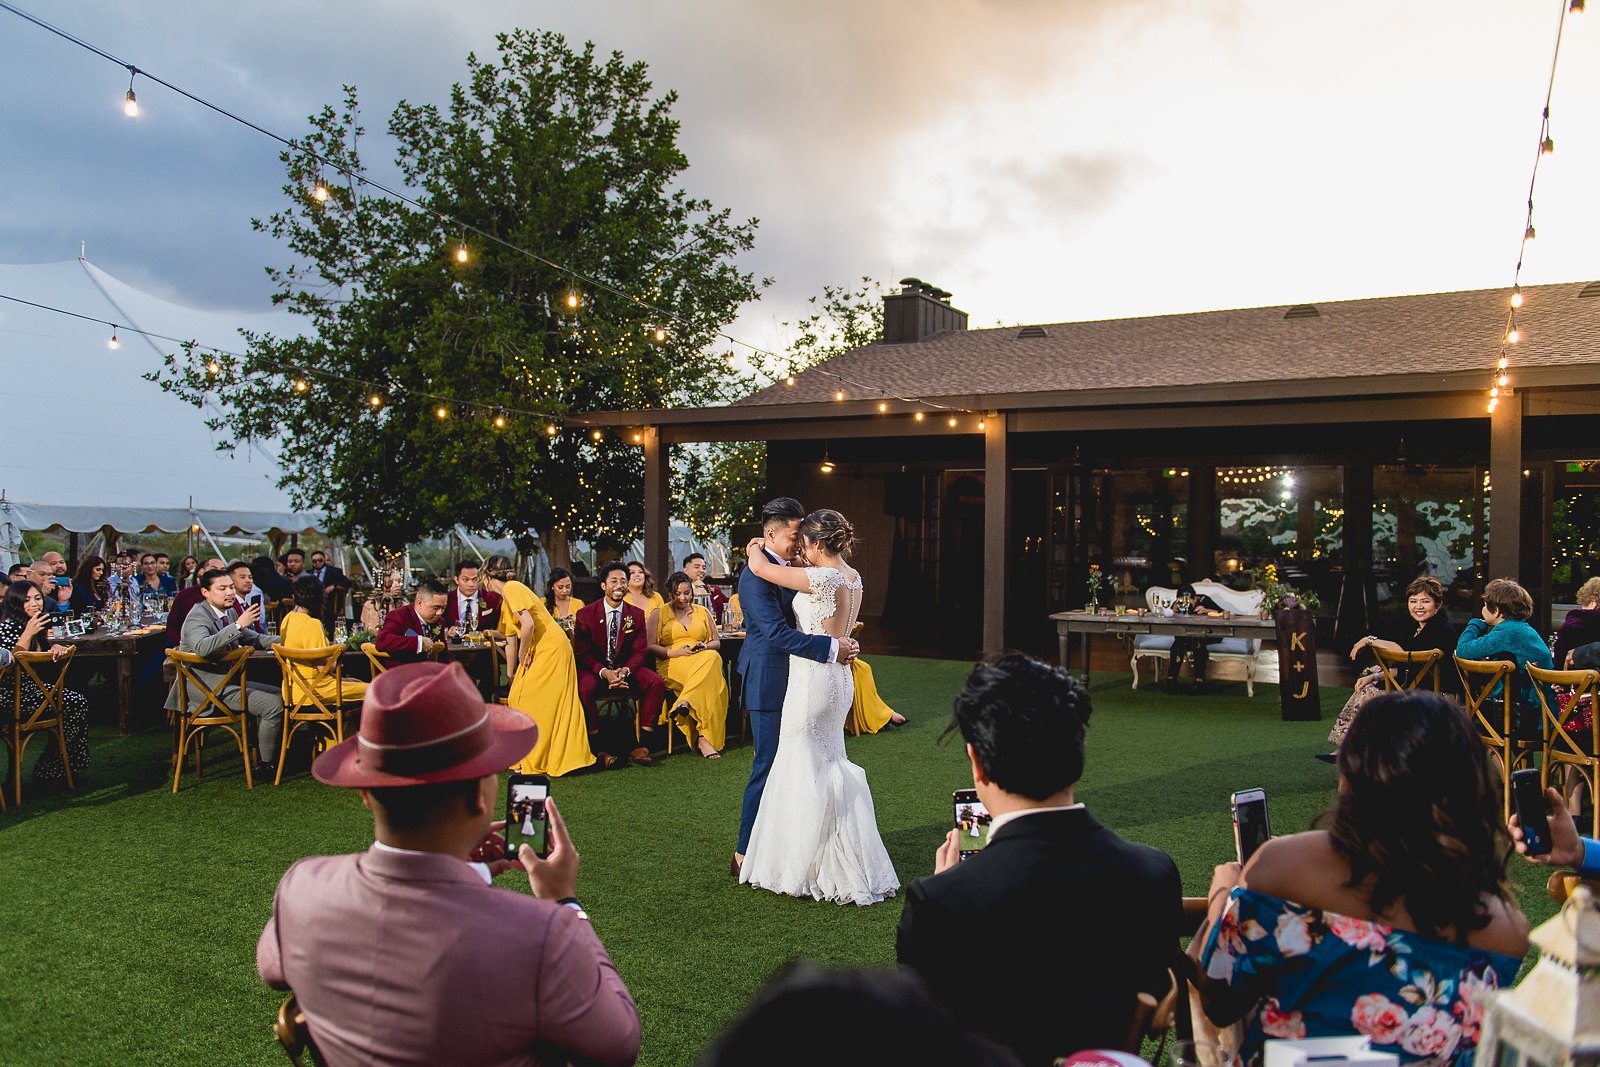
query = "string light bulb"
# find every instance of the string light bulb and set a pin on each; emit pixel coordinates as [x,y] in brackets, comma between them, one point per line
[952,421]
[1502,380]
[213,367]
[789,381]
[1547,146]
[1492,404]
[1513,335]
[320,192]
[1502,364]
[1527,235]
[1516,296]
[918,416]
[301,385]
[550,430]
[661,334]
[838,394]
[441,412]
[983,424]
[113,344]
[1576,7]
[1494,392]
[882,407]
[375,400]
[130,102]
[596,435]
[499,422]
[461,252]
[571,300]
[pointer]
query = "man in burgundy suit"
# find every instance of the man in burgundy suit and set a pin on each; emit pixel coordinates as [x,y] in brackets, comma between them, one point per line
[470,607]
[415,630]
[186,598]
[405,953]
[608,641]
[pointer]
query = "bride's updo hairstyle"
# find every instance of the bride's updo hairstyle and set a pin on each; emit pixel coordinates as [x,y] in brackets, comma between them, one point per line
[831,530]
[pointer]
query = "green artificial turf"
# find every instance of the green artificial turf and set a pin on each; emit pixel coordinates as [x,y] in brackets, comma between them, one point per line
[131,915]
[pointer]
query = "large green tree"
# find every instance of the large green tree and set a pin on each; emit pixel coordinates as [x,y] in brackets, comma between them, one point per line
[716,487]
[572,162]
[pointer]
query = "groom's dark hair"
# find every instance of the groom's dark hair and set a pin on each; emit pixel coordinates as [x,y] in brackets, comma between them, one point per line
[1025,721]
[781,512]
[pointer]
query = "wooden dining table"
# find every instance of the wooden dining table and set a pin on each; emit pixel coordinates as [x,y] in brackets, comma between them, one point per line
[127,649]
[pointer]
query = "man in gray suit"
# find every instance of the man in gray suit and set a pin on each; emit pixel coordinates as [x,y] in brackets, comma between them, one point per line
[210,630]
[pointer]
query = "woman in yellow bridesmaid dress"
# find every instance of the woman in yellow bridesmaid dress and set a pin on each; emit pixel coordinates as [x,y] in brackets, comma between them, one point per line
[559,599]
[868,712]
[684,641]
[302,628]
[642,590]
[544,686]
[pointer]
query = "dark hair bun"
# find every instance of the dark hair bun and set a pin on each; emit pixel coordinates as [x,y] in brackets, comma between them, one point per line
[831,530]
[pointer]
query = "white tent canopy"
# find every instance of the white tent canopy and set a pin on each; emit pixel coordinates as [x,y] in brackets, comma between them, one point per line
[92,443]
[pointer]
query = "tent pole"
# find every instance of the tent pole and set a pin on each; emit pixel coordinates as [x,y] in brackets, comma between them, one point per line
[461,533]
[207,532]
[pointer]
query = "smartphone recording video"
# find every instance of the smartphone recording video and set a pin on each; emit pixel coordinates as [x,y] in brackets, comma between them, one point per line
[1250,829]
[972,821]
[1533,810]
[526,823]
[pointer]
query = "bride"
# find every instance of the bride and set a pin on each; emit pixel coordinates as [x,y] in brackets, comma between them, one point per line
[816,834]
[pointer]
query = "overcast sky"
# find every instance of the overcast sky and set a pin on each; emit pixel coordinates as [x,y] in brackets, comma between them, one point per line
[1044,160]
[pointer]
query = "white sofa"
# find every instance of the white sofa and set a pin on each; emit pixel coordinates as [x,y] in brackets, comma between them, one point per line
[1227,652]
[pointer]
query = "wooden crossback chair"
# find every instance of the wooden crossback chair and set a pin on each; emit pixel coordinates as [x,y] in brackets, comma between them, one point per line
[378,661]
[1408,670]
[608,699]
[303,670]
[293,1034]
[1574,752]
[212,711]
[1497,725]
[24,718]
[278,610]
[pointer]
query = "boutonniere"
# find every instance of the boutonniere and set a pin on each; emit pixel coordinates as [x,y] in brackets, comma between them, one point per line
[627,625]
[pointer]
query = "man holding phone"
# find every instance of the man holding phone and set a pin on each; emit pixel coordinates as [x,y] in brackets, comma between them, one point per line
[1058,923]
[419,909]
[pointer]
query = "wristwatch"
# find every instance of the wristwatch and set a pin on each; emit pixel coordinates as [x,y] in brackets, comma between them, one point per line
[572,902]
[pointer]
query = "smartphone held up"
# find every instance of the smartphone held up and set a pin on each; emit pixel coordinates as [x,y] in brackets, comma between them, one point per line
[1250,828]
[527,822]
[972,821]
[1533,810]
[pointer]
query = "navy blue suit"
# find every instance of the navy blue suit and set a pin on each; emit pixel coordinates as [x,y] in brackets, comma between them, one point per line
[770,639]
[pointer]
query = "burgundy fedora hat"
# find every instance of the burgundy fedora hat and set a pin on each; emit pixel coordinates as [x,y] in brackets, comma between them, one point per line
[423,723]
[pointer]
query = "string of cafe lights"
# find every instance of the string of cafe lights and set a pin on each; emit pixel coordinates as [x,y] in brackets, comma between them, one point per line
[1512,333]
[571,300]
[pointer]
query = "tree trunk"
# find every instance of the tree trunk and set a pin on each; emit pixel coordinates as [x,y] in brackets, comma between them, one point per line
[556,547]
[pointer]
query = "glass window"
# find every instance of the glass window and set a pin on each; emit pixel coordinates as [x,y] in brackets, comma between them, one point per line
[1423,523]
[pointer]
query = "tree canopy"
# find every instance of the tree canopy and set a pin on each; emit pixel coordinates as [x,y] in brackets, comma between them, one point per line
[439,356]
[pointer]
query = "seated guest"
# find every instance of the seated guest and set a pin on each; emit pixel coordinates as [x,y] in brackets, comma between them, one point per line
[335,587]
[302,628]
[1075,921]
[868,711]
[19,572]
[471,609]
[245,592]
[642,589]
[608,641]
[1503,629]
[405,953]
[1580,630]
[23,623]
[707,594]
[210,630]
[558,598]
[188,572]
[56,562]
[169,584]
[1330,933]
[1196,649]
[1425,627]
[415,630]
[89,587]
[120,581]
[889,1018]
[380,603]
[150,584]
[186,599]
[294,565]
[683,639]
[60,601]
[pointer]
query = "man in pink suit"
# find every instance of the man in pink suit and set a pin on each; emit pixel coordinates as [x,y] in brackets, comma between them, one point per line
[608,642]
[406,953]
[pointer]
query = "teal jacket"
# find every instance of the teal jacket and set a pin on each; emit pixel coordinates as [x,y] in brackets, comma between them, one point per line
[1516,636]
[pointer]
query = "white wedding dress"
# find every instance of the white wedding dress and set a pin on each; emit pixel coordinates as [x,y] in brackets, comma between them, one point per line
[816,834]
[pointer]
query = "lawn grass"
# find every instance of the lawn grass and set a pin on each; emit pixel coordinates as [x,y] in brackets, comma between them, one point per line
[132,914]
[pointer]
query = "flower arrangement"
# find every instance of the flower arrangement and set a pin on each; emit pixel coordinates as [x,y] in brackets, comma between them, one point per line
[1275,592]
[357,638]
[1097,581]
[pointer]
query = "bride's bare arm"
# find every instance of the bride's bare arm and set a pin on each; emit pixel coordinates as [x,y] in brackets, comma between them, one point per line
[788,577]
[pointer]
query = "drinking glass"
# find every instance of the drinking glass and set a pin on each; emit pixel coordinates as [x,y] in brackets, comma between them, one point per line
[1200,1054]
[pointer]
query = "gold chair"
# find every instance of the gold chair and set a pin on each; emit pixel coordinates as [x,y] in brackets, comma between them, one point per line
[212,711]
[375,659]
[303,670]
[24,717]
[1574,752]
[1498,732]
[1416,666]
[278,610]
[293,1034]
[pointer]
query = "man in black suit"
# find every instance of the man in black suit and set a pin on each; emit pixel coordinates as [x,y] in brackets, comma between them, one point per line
[335,587]
[1058,923]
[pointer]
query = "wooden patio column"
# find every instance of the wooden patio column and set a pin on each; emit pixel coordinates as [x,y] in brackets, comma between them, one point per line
[1203,524]
[657,503]
[996,530]
[1505,487]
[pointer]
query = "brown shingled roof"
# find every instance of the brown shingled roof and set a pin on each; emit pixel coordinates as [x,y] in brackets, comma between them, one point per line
[1431,333]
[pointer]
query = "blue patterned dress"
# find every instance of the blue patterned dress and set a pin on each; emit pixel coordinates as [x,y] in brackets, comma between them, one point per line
[1334,976]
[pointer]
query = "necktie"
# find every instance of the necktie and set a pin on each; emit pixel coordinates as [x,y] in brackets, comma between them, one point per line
[613,633]
[472,612]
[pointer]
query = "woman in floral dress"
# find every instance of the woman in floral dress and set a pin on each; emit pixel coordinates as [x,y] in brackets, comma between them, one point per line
[1389,920]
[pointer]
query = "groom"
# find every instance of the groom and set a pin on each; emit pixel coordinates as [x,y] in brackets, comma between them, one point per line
[770,639]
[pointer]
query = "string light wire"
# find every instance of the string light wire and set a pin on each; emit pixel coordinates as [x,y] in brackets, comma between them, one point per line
[448,221]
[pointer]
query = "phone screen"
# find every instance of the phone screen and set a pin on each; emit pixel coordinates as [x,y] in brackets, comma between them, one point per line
[1533,810]
[972,821]
[525,815]
[1250,829]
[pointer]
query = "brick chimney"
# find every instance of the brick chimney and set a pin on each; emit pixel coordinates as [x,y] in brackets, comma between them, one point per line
[918,311]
